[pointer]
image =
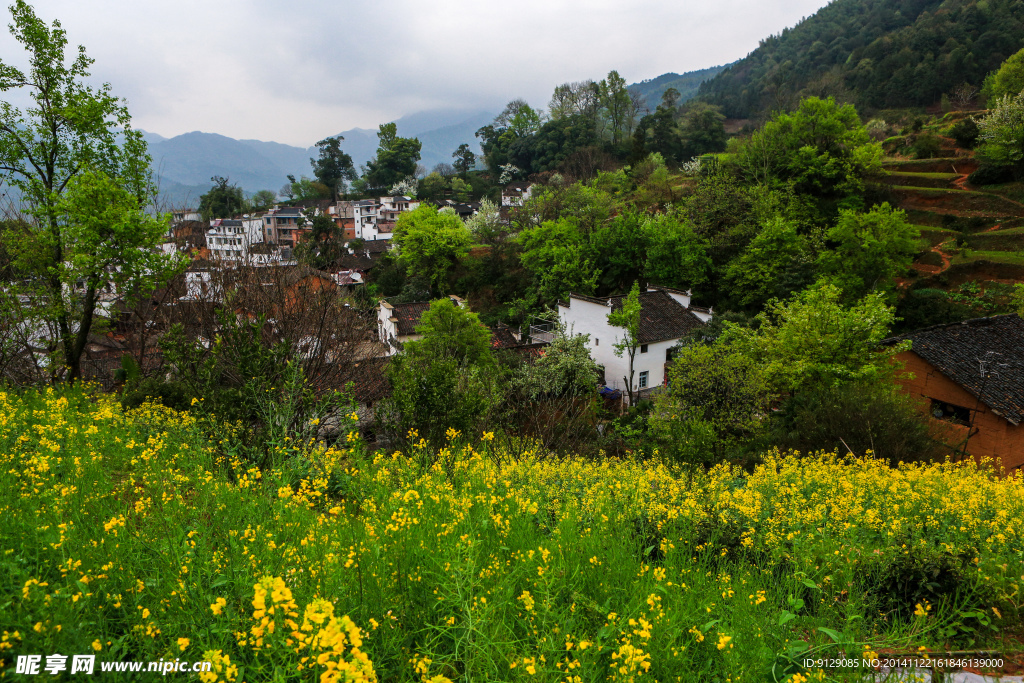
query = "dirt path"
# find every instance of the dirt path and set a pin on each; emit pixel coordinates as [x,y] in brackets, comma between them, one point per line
[934,270]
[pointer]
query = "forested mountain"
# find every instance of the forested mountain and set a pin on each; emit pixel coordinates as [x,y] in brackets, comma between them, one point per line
[875,53]
[687,84]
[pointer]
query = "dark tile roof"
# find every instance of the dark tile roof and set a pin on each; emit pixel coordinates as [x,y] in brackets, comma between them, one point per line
[370,381]
[661,317]
[956,351]
[357,261]
[502,337]
[409,316]
[375,246]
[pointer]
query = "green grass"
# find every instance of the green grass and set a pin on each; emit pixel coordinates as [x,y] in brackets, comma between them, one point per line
[993,256]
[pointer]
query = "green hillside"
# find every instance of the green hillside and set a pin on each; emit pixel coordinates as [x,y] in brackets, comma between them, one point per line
[875,53]
[688,84]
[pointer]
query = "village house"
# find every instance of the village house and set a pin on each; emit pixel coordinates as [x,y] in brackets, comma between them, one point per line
[970,376]
[396,323]
[233,239]
[516,194]
[666,317]
[284,226]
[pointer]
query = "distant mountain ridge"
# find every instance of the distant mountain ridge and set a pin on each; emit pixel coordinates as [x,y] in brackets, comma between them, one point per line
[184,164]
[687,84]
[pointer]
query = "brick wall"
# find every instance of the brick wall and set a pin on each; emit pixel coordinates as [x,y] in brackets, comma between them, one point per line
[992,436]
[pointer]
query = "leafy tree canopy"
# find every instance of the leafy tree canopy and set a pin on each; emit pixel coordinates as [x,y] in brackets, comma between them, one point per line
[222,200]
[396,158]
[822,149]
[84,176]
[333,167]
[868,250]
[431,243]
[814,338]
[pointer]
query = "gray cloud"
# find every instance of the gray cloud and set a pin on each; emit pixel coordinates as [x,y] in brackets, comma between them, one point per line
[297,71]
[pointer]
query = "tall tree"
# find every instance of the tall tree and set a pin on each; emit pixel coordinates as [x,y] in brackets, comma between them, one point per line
[83,173]
[431,243]
[396,158]
[465,159]
[222,200]
[333,167]
[617,105]
[628,318]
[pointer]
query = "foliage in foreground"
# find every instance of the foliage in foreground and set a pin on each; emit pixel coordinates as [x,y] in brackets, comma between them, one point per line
[138,535]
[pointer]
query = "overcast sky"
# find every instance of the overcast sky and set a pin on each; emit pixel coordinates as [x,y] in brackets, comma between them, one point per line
[295,72]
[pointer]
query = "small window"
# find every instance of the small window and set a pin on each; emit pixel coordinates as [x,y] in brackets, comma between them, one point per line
[644,376]
[643,348]
[668,355]
[597,342]
[951,413]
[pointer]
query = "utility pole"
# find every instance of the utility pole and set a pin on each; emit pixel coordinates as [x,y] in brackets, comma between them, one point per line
[985,375]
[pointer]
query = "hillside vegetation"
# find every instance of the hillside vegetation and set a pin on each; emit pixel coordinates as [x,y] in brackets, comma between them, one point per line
[144,535]
[876,53]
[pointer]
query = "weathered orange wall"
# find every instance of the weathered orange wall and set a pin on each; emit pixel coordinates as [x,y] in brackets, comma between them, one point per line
[992,437]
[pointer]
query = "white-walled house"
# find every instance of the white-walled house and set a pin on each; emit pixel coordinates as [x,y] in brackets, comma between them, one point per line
[516,194]
[232,239]
[666,316]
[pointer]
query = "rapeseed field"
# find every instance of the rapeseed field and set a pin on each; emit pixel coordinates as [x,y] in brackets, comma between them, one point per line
[146,535]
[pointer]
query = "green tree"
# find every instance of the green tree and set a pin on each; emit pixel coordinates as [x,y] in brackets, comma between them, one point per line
[451,331]
[565,370]
[222,200]
[628,318]
[815,339]
[83,174]
[1001,133]
[676,255]
[1007,80]
[304,189]
[465,159]
[716,400]
[558,259]
[702,129]
[431,244]
[868,250]
[775,263]
[447,379]
[432,187]
[822,148]
[333,167]
[616,105]
[263,199]
[396,158]
[324,244]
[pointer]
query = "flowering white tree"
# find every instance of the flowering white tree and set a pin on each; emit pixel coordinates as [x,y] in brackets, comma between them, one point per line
[508,172]
[407,187]
[1001,133]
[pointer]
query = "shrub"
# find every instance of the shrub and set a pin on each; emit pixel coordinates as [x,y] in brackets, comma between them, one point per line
[857,416]
[927,146]
[991,175]
[965,132]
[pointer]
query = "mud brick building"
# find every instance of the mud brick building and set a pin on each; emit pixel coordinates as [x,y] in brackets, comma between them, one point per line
[970,375]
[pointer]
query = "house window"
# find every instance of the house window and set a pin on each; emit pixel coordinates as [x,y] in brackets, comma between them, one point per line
[644,376]
[597,342]
[950,412]
[643,348]
[668,355]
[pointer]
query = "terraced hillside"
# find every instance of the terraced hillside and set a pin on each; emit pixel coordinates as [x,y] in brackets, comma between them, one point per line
[972,238]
